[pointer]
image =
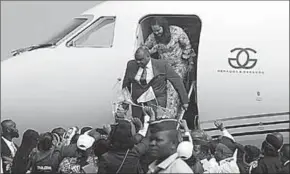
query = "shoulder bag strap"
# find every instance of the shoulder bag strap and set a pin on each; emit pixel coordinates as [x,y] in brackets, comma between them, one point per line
[122,162]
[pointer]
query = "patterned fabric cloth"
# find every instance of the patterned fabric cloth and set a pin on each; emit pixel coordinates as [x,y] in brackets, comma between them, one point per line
[70,165]
[176,52]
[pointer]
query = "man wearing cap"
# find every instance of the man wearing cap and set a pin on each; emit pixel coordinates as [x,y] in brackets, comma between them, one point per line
[145,73]
[202,160]
[73,149]
[270,163]
[285,159]
[164,140]
[83,159]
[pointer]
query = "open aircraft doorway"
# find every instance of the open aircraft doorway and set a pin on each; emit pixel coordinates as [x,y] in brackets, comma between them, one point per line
[191,25]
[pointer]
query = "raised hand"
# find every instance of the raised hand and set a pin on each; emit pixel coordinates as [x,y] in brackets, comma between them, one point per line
[219,125]
[183,124]
[150,112]
[107,128]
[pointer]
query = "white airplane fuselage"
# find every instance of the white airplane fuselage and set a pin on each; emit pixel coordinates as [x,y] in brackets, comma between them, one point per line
[248,89]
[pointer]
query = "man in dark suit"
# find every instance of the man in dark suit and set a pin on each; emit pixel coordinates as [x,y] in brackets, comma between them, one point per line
[285,159]
[145,72]
[8,148]
[270,162]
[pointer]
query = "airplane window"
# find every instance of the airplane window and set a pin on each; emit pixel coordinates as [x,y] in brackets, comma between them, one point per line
[76,22]
[99,34]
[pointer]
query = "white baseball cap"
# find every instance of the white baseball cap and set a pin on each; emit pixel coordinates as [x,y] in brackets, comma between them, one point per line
[184,150]
[85,141]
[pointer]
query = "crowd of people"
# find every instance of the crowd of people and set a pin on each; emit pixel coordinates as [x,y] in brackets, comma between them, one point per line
[153,138]
[130,146]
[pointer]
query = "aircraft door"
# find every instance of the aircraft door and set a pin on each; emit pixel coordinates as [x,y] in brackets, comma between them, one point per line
[139,37]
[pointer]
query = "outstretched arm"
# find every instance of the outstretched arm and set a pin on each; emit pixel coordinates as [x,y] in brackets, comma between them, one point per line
[142,147]
[225,132]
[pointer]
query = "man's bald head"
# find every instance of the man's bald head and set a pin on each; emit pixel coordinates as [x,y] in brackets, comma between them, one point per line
[6,123]
[142,50]
[142,56]
[9,129]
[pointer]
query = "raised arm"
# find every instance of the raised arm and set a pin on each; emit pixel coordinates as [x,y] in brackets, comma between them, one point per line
[225,132]
[142,147]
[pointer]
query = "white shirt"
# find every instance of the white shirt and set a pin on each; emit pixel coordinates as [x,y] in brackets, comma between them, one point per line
[228,165]
[150,73]
[172,164]
[209,165]
[11,146]
[143,131]
[227,134]
[1,165]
